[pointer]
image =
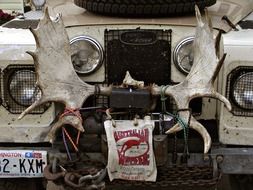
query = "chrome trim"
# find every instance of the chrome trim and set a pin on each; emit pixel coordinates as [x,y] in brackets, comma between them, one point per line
[96,44]
[236,100]
[176,50]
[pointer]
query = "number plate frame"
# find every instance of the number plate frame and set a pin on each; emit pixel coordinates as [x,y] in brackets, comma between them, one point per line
[22,163]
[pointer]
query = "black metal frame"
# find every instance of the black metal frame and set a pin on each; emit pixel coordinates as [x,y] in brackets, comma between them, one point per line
[8,101]
[237,110]
[141,39]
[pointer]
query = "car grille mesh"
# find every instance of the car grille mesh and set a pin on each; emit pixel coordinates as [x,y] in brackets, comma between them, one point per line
[146,54]
[9,101]
[245,86]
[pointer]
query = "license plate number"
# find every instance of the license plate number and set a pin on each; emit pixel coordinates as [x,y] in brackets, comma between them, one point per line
[22,163]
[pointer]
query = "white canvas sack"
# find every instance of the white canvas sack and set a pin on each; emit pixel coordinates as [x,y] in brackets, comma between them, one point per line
[130,155]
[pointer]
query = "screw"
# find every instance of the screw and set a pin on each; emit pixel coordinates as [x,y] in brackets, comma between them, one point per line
[219,159]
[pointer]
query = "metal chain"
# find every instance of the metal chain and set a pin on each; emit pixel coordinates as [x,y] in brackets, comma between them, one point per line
[87,174]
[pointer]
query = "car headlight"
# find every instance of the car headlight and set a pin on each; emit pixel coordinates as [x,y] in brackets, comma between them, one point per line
[243,90]
[87,54]
[183,55]
[22,87]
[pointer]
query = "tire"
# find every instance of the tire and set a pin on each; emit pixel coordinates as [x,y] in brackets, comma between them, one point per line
[21,184]
[143,8]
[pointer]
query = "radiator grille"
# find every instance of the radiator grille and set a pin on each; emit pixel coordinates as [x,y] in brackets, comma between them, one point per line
[146,54]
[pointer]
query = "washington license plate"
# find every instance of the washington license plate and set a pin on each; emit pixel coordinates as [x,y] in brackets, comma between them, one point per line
[22,163]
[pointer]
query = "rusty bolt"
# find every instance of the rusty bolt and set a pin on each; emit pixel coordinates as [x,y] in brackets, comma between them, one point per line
[219,159]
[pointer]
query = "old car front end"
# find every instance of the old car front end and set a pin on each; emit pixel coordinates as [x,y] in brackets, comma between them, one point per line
[157,51]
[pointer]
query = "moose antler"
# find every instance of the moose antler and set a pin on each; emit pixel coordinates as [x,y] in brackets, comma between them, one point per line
[200,81]
[56,76]
[59,82]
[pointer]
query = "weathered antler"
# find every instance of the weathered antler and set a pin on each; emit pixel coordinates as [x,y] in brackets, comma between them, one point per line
[56,76]
[59,82]
[200,81]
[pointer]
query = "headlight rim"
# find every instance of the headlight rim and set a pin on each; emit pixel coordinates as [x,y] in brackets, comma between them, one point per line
[176,51]
[97,45]
[8,103]
[236,79]
[11,78]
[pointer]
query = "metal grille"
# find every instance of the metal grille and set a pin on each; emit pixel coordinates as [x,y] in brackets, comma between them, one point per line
[20,90]
[239,91]
[146,54]
[178,177]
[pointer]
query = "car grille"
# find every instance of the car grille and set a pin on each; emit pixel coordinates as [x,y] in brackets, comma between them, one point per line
[146,54]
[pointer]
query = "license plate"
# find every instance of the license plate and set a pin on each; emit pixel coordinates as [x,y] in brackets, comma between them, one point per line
[22,163]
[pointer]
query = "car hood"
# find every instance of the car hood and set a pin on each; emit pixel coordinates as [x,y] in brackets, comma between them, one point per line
[74,16]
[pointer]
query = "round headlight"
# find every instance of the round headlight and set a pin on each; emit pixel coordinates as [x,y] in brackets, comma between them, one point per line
[243,91]
[23,89]
[87,54]
[183,55]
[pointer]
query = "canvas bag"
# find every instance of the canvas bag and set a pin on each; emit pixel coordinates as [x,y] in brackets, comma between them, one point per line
[130,150]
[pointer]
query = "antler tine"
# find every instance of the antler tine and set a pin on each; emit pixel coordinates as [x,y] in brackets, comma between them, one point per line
[203,132]
[194,124]
[33,106]
[46,15]
[35,37]
[34,56]
[198,15]
[72,120]
[209,20]
[218,96]
[45,18]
